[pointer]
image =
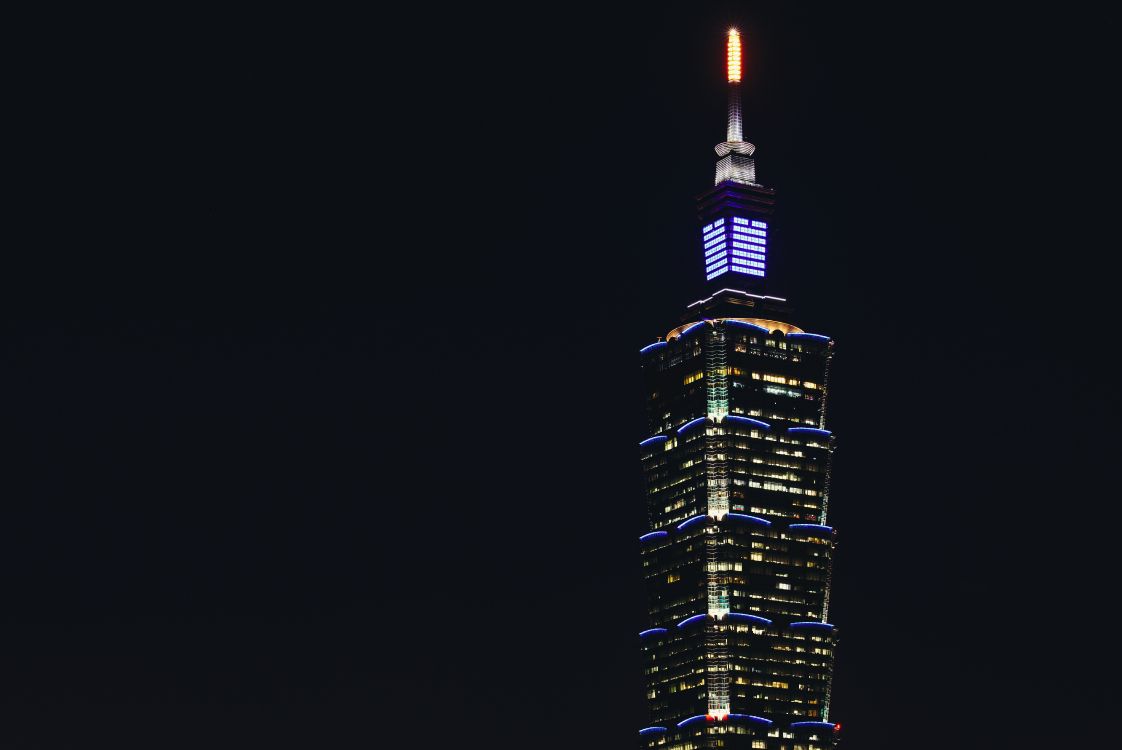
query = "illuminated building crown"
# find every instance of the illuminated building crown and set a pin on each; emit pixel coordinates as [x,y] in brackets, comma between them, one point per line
[736,214]
[736,163]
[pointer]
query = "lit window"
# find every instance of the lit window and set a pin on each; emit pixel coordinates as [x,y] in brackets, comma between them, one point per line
[720,259]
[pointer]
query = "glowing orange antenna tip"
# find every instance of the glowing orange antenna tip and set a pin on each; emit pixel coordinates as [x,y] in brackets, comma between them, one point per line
[734,56]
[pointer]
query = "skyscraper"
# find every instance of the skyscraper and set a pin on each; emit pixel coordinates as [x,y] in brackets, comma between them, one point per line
[737,650]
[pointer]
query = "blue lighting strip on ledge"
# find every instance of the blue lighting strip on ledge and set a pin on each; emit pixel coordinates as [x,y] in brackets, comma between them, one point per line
[814,725]
[822,625]
[652,730]
[653,535]
[812,430]
[691,329]
[690,522]
[692,423]
[750,717]
[748,420]
[744,616]
[812,527]
[655,439]
[742,324]
[652,631]
[749,519]
[816,336]
[692,720]
[655,345]
[691,620]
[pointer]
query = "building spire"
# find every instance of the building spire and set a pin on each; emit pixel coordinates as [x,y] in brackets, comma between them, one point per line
[736,127]
[736,163]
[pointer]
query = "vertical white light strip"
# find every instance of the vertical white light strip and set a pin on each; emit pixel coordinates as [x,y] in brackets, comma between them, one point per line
[716,641]
[716,462]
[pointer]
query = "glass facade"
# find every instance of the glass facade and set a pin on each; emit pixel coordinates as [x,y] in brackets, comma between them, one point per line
[736,562]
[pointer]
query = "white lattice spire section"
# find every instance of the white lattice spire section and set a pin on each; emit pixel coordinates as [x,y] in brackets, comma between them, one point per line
[736,163]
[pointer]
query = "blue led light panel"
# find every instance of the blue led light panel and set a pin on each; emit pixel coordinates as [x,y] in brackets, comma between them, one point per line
[735,244]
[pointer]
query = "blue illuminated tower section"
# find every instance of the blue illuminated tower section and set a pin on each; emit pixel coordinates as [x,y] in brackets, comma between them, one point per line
[736,213]
[737,551]
[735,244]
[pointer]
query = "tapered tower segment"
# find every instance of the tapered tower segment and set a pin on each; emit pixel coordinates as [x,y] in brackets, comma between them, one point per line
[737,551]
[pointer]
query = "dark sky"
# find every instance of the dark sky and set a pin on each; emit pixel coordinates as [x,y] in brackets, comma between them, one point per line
[322,387]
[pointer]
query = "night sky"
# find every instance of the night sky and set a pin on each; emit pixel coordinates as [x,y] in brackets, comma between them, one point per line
[320,352]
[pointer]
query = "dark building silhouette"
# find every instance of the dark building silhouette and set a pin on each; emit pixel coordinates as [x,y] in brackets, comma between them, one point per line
[738,650]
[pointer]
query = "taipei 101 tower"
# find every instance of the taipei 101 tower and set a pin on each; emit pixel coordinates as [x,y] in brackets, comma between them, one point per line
[737,648]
